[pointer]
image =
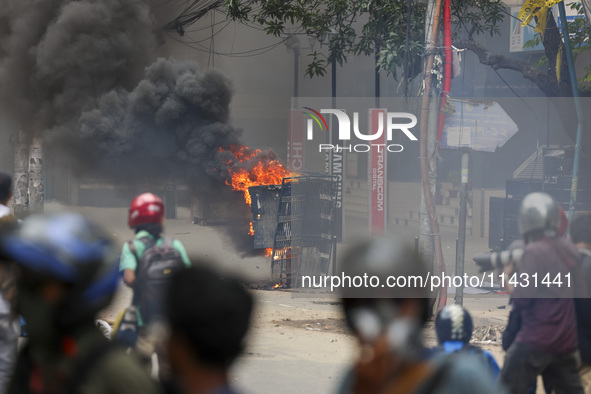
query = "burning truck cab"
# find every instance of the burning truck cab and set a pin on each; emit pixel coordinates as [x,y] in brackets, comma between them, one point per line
[291,219]
[291,215]
[294,221]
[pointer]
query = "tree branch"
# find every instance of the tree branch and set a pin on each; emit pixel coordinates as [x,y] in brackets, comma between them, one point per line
[541,79]
[547,83]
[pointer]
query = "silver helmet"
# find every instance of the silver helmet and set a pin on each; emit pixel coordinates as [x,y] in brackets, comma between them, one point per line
[538,211]
[396,275]
[385,259]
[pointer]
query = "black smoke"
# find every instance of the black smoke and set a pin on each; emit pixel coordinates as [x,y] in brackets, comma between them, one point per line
[173,123]
[78,72]
[57,57]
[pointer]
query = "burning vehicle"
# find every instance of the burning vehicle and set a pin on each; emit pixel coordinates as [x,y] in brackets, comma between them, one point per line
[292,215]
[295,222]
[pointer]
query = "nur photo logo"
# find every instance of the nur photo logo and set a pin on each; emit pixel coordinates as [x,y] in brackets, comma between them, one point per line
[388,125]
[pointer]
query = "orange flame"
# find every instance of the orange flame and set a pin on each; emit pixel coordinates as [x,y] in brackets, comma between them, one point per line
[242,152]
[283,253]
[265,172]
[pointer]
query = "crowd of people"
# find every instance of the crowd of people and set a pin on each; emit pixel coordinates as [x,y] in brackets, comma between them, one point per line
[58,271]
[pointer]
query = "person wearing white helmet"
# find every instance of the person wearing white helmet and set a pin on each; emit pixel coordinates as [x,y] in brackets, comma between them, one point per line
[542,288]
[388,323]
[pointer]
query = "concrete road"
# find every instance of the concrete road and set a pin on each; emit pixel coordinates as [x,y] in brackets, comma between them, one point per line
[296,345]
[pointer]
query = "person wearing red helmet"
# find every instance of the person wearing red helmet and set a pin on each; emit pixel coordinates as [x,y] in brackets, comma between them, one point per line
[149,254]
[146,208]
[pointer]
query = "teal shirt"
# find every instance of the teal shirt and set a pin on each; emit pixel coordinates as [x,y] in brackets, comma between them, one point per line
[128,260]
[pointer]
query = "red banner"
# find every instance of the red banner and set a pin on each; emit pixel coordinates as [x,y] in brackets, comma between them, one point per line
[295,141]
[378,180]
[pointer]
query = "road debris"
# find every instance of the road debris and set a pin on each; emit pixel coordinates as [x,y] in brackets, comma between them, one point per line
[491,334]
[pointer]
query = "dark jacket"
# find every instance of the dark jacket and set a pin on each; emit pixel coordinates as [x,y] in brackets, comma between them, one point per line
[89,365]
[548,311]
[583,308]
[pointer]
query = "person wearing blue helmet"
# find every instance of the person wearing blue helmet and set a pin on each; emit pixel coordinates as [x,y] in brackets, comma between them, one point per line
[67,273]
[454,326]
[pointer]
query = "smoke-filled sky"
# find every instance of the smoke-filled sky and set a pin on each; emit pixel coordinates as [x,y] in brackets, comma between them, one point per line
[57,57]
[172,122]
[79,72]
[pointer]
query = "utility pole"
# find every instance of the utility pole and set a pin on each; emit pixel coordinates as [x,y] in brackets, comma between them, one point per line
[293,43]
[579,110]
[29,175]
[36,174]
[461,249]
[425,230]
[20,204]
[431,28]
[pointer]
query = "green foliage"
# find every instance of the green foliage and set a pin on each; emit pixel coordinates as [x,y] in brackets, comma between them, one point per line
[585,91]
[316,66]
[382,28]
[476,17]
[363,27]
[579,33]
[542,62]
[534,41]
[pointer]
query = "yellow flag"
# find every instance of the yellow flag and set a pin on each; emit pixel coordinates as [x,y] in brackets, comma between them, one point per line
[542,18]
[528,9]
[536,8]
[550,3]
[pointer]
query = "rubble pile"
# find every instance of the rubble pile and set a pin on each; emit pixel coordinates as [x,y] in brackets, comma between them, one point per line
[490,334]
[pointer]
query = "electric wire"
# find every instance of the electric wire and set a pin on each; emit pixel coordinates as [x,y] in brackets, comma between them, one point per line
[210,37]
[192,13]
[511,15]
[212,40]
[249,53]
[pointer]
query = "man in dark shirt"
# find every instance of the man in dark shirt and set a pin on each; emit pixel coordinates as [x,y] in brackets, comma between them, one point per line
[542,288]
[209,316]
[580,232]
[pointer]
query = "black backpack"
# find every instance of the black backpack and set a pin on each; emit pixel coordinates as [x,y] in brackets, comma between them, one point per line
[152,275]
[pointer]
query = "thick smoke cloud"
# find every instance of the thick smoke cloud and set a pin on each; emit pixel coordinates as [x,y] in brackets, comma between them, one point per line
[172,124]
[77,72]
[70,69]
[57,57]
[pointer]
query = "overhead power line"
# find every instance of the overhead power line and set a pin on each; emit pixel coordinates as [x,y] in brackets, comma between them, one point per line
[194,11]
